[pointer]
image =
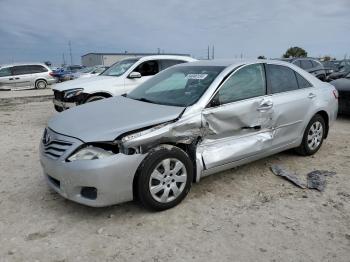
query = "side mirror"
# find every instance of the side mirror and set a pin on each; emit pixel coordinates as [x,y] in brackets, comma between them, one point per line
[134,75]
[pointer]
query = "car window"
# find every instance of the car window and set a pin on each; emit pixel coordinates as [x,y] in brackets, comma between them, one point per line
[164,64]
[281,79]
[305,64]
[247,82]
[6,71]
[21,70]
[36,69]
[314,63]
[179,86]
[119,68]
[302,82]
[148,68]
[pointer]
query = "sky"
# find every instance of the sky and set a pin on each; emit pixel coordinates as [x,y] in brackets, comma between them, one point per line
[39,30]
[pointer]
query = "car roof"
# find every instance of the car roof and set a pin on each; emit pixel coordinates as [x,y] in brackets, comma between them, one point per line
[21,64]
[177,57]
[232,62]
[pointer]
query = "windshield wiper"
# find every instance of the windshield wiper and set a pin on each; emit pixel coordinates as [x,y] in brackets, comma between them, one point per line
[142,99]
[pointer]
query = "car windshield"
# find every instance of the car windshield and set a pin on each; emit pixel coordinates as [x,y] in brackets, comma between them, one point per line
[177,86]
[87,70]
[120,67]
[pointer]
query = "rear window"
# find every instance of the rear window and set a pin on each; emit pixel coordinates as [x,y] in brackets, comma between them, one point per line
[281,79]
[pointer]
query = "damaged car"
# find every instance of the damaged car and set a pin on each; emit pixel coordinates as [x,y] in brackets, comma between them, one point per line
[187,122]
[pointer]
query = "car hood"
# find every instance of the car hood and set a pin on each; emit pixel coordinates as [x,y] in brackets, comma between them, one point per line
[341,84]
[107,119]
[93,83]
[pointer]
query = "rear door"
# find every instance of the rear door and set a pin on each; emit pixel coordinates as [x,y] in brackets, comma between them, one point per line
[22,76]
[237,122]
[293,98]
[6,78]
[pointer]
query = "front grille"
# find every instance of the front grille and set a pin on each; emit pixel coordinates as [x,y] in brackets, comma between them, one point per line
[55,145]
[55,149]
[58,95]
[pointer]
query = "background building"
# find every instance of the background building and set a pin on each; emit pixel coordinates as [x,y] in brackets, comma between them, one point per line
[107,59]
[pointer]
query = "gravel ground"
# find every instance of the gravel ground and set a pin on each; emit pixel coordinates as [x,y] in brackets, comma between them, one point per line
[243,214]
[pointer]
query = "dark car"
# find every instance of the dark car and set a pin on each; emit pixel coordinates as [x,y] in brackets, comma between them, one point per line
[66,73]
[343,70]
[310,65]
[331,66]
[343,87]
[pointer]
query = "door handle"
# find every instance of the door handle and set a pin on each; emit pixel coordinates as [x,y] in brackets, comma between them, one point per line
[16,78]
[11,78]
[311,95]
[265,105]
[252,127]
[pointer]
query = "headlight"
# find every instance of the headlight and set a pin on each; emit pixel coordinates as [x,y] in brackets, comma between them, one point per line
[142,133]
[72,92]
[90,153]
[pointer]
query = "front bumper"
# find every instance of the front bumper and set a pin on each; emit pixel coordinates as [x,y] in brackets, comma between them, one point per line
[63,103]
[112,177]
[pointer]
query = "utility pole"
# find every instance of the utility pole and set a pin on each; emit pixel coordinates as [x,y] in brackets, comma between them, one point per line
[70,52]
[158,50]
[208,52]
[212,52]
[64,59]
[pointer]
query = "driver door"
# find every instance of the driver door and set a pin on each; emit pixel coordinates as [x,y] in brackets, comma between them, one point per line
[238,121]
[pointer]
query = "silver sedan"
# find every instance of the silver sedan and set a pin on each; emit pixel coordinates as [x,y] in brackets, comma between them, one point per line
[187,122]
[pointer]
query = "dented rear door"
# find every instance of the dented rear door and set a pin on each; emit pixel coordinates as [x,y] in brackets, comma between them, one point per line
[238,122]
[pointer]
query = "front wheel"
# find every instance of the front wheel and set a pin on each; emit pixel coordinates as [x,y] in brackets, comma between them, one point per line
[165,178]
[313,136]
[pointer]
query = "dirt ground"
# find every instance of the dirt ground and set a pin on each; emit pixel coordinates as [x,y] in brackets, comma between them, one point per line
[243,214]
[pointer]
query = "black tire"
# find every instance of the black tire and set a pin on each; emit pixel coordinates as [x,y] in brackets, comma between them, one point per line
[58,108]
[304,149]
[149,165]
[40,84]
[94,98]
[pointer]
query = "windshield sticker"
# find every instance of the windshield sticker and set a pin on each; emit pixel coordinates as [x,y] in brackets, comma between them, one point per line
[196,76]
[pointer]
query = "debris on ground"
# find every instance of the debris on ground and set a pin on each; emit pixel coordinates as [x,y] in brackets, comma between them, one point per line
[281,171]
[315,179]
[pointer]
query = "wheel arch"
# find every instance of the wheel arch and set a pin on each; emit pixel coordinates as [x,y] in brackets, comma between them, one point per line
[99,93]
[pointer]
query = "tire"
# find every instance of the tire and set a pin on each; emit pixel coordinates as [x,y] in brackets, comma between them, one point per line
[94,98]
[40,84]
[313,136]
[169,187]
[58,108]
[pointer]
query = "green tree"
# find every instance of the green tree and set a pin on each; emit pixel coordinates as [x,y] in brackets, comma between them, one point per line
[295,52]
[261,57]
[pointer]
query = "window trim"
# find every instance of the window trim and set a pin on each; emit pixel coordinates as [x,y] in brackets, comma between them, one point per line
[229,75]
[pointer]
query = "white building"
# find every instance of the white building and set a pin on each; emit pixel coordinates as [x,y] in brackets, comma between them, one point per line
[108,59]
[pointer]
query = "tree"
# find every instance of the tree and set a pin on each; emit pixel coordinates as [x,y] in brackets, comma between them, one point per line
[295,52]
[261,57]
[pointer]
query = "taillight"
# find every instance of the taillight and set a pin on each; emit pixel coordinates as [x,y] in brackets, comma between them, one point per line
[51,74]
[335,93]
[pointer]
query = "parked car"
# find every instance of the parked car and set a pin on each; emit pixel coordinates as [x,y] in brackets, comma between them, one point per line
[26,75]
[66,73]
[331,66]
[120,78]
[343,87]
[343,70]
[185,123]
[89,72]
[310,65]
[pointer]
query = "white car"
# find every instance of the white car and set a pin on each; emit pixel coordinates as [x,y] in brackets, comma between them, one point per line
[25,76]
[89,72]
[120,78]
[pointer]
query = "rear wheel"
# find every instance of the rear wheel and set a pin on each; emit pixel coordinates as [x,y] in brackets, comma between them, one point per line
[40,84]
[313,136]
[165,178]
